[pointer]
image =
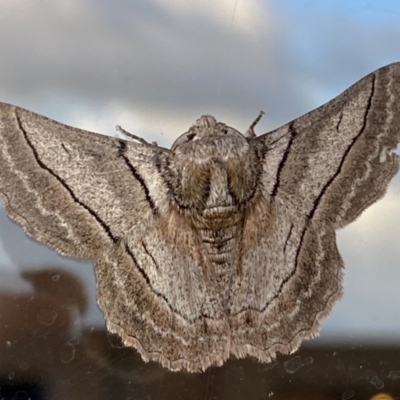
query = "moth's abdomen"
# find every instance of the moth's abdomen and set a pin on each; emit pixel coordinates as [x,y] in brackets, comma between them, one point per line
[219,244]
[219,232]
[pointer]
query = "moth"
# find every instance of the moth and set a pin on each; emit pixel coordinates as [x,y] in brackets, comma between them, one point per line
[222,245]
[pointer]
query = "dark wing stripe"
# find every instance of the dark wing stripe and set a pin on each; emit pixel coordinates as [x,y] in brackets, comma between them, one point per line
[138,177]
[150,286]
[105,227]
[339,170]
[150,255]
[293,134]
[287,238]
[288,278]
[339,121]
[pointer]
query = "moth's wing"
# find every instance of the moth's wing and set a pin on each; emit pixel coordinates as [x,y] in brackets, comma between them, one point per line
[70,188]
[332,163]
[320,172]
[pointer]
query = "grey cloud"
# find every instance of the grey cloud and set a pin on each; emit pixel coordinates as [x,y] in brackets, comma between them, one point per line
[137,54]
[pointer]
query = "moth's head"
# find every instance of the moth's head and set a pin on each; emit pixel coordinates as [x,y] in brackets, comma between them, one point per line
[205,127]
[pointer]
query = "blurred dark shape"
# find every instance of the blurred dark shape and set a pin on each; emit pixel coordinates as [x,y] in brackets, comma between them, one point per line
[58,298]
[58,284]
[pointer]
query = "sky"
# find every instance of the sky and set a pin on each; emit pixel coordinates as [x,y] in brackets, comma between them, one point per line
[155,66]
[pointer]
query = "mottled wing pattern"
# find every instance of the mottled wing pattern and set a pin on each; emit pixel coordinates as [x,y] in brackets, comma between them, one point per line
[320,171]
[153,295]
[70,188]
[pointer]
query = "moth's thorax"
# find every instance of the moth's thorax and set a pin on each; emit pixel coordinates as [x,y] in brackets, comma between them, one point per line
[213,176]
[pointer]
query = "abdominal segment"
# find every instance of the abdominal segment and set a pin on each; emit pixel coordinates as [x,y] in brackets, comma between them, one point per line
[220,246]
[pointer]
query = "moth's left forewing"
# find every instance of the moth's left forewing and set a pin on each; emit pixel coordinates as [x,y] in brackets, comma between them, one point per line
[48,181]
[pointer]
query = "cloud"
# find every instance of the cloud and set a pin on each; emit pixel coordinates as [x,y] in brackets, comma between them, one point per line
[241,18]
[167,62]
[141,55]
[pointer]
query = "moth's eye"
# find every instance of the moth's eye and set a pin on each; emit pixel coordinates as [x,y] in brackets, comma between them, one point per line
[224,131]
[184,138]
